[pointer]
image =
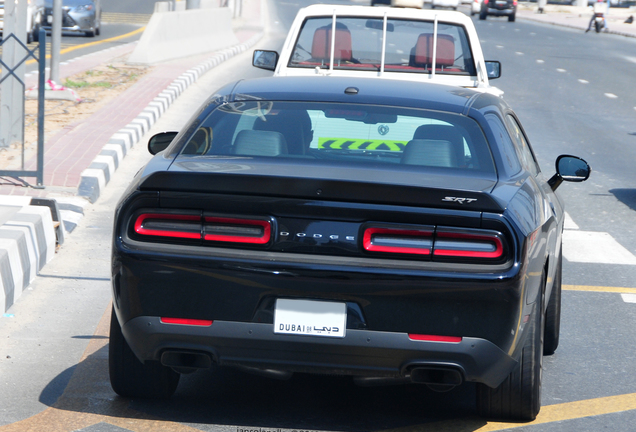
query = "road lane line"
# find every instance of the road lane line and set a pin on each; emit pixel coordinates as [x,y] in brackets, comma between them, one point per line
[611,95]
[629,298]
[595,247]
[605,289]
[561,70]
[86,45]
[582,81]
[540,61]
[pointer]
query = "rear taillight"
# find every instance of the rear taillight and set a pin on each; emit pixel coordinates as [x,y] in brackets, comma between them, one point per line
[436,243]
[391,240]
[207,228]
[187,321]
[169,225]
[469,244]
[237,230]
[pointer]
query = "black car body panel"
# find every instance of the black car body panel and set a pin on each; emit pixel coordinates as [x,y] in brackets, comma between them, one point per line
[379,238]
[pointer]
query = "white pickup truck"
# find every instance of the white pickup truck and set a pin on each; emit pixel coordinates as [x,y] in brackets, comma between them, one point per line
[406,44]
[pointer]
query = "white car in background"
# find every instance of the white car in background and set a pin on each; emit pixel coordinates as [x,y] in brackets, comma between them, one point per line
[35,11]
[387,43]
[451,4]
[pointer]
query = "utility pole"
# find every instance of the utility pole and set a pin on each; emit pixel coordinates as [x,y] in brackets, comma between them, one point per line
[56,41]
[12,89]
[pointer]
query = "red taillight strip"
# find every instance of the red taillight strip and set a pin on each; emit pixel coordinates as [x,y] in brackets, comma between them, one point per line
[266,225]
[139,225]
[497,253]
[368,245]
[187,321]
[434,338]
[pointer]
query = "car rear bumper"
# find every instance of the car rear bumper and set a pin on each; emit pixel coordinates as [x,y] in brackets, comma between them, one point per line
[360,352]
[500,12]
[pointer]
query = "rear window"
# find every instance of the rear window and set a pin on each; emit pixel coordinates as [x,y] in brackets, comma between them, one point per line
[342,134]
[410,46]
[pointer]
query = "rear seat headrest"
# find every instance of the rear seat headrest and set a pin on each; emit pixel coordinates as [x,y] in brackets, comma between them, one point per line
[259,143]
[445,50]
[426,152]
[321,46]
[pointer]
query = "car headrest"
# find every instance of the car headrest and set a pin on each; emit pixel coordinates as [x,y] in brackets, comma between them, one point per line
[295,125]
[445,49]
[426,152]
[259,143]
[321,46]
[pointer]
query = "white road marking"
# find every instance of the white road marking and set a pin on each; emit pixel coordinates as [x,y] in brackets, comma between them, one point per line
[519,53]
[561,70]
[499,46]
[611,95]
[582,81]
[595,247]
[533,34]
[569,223]
[631,59]
[540,61]
[629,298]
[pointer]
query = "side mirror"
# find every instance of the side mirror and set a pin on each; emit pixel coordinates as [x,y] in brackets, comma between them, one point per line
[160,142]
[265,59]
[569,168]
[493,69]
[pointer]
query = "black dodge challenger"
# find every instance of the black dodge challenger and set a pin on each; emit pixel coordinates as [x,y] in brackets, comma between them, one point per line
[374,228]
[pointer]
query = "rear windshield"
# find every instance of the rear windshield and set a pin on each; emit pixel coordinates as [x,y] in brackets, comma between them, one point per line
[410,46]
[336,133]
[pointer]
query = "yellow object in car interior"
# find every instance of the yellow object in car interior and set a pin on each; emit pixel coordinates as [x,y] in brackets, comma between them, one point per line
[360,144]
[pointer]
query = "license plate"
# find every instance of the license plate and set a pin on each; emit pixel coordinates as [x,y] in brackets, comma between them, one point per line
[49,19]
[310,317]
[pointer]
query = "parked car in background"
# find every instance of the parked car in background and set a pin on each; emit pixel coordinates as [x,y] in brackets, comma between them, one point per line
[451,4]
[499,8]
[78,16]
[392,232]
[35,13]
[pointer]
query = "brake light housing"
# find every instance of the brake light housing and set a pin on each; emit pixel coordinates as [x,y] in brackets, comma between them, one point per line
[435,243]
[197,227]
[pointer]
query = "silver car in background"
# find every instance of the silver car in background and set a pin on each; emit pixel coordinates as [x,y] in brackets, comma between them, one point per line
[78,16]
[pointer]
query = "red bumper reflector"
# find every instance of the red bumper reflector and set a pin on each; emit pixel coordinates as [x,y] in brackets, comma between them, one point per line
[434,338]
[186,321]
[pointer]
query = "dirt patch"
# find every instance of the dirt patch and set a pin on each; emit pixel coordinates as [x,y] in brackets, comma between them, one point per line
[94,87]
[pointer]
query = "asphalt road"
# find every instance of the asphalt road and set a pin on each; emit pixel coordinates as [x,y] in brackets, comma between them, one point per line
[558,81]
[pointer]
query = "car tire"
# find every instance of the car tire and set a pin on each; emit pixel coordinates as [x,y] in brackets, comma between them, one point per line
[482,15]
[553,314]
[511,18]
[518,397]
[131,378]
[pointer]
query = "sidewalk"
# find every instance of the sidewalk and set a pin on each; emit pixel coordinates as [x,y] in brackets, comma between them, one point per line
[81,158]
[579,18]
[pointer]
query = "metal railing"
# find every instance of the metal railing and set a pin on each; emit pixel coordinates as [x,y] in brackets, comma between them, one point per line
[40,58]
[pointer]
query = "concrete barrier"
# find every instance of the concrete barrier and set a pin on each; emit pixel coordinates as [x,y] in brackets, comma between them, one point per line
[178,34]
[27,243]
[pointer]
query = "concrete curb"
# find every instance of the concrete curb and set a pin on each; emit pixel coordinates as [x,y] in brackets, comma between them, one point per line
[27,243]
[95,178]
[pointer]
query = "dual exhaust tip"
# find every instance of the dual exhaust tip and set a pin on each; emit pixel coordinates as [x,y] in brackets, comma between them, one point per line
[437,378]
